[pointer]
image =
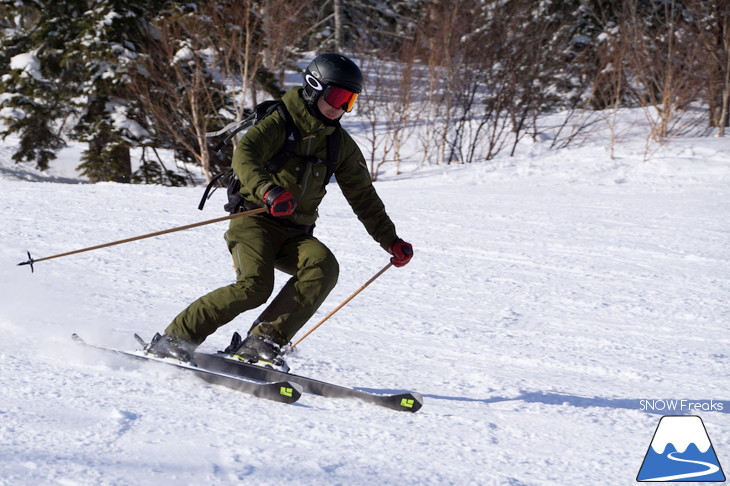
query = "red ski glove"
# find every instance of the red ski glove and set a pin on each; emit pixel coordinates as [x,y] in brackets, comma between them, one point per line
[279,201]
[402,252]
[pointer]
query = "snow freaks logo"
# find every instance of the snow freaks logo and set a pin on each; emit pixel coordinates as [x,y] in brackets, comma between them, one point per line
[681,406]
[680,451]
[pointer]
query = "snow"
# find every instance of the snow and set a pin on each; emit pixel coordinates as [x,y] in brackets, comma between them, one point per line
[109,18]
[119,117]
[549,295]
[185,53]
[29,63]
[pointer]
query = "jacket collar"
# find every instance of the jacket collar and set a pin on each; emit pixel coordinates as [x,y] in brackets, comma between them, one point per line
[307,123]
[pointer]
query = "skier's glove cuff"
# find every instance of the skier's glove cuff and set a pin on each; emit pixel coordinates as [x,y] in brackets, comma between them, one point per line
[279,201]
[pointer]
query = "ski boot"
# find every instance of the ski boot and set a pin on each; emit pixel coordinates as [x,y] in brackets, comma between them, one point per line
[257,350]
[171,347]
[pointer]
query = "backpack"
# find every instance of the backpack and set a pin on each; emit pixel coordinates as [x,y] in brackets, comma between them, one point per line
[229,179]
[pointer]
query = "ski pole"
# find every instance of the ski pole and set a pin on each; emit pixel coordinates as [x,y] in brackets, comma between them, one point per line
[342,304]
[32,261]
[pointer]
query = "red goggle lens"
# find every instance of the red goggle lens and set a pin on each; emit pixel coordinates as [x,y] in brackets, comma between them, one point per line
[338,97]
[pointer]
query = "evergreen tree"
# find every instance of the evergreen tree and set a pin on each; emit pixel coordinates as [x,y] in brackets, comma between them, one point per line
[66,66]
[572,34]
[37,84]
[102,53]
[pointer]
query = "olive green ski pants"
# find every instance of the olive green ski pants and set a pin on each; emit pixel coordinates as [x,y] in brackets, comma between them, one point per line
[260,244]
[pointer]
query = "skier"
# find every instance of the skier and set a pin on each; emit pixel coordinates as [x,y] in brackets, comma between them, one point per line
[282,237]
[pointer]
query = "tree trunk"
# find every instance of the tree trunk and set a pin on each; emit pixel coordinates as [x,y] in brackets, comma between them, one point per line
[339,27]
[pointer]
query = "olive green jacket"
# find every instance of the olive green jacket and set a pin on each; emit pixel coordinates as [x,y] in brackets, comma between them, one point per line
[305,179]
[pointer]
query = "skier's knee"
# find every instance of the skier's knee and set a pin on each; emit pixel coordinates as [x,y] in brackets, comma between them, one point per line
[330,266]
[326,270]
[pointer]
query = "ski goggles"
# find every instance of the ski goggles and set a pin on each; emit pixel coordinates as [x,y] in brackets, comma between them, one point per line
[341,98]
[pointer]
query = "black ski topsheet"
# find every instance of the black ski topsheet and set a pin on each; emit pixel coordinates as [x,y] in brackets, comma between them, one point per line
[283,391]
[405,402]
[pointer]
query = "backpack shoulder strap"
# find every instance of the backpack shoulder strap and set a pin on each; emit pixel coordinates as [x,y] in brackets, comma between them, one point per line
[291,136]
[333,153]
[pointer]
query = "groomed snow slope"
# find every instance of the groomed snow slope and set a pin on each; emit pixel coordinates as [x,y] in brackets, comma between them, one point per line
[549,294]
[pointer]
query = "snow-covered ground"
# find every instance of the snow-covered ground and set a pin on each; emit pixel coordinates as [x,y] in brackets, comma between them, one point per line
[552,296]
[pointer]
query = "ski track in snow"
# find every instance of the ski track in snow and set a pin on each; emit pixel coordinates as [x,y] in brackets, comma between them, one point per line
[537,311]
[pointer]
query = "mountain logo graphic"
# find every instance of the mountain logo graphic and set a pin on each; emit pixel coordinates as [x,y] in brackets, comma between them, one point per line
[680,451]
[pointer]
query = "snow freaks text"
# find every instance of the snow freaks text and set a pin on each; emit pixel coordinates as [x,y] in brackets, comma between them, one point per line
[681,406]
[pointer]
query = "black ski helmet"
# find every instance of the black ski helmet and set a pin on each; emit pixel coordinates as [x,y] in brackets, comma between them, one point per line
[330,68]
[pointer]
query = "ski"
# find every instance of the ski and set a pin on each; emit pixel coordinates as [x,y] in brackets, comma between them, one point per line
[406,402]
[284,391]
